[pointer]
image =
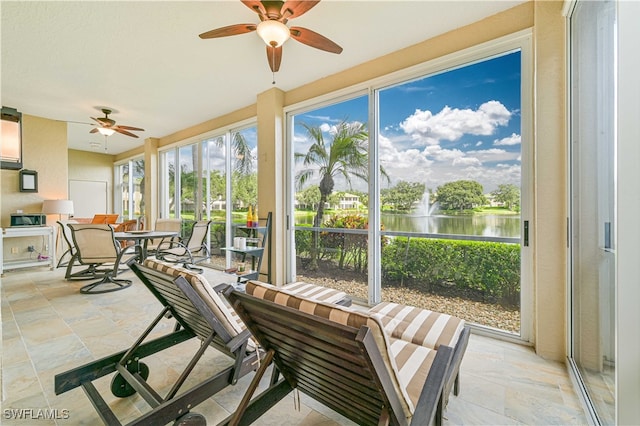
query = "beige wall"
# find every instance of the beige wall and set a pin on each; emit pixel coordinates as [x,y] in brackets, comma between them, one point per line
[550,180]
[91,166]
[44,149]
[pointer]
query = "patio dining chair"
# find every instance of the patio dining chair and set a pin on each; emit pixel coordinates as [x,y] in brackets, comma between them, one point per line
[96,247]
[65,233]
[126,226]
[193,251]
[174,225]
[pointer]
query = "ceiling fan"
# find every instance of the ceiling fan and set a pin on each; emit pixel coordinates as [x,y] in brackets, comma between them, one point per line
[273,29]
[107,126]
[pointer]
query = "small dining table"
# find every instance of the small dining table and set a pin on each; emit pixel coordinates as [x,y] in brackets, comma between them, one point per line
[141,239]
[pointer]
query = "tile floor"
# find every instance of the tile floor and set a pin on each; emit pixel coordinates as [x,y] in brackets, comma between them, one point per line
[49,327]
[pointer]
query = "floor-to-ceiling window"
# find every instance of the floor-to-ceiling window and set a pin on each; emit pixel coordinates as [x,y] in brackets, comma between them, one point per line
[200,180]
[450,149]
[330,201]
[129,189]
[593,197]
[441,211]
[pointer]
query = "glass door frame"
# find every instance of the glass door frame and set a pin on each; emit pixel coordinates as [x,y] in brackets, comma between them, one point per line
[521,40]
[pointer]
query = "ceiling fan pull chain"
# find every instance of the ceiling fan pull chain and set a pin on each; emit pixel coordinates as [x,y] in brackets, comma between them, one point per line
[273,61]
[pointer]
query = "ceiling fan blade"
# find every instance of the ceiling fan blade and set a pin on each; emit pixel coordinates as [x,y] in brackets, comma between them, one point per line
[294,9]
[229,31]
[94,130]
[313,39]
[103,121]
[128,128]
[124,132]
[256,6]
[274,56]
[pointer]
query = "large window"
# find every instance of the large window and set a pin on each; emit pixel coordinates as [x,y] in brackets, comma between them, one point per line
[450,154]
[199,180]
[331,207]
[129,189]
[435,218]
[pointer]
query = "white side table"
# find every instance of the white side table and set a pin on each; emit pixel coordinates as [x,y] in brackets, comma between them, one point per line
[29,231]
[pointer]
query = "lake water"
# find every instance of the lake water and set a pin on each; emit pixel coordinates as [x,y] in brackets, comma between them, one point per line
[484,225]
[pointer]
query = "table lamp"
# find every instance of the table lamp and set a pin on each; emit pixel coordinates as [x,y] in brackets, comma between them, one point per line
[58,207]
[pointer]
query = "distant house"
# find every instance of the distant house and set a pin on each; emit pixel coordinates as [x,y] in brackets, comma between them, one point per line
[219,205]
[349,201]
[491,201]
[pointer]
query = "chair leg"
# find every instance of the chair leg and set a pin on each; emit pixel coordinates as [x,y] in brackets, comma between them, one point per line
[190,267]
[112,283]
[456,385]
[61,261]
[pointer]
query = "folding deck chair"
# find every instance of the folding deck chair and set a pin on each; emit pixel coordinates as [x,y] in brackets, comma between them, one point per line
[200,312]
[343,358]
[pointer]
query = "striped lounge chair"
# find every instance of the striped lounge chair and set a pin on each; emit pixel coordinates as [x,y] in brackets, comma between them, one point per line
[344,358]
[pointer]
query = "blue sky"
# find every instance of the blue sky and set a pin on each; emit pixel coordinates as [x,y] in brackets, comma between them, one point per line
[459,124]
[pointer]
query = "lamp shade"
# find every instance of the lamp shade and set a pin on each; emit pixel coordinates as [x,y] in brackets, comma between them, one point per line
[57,207]
[274,33]
[105,131]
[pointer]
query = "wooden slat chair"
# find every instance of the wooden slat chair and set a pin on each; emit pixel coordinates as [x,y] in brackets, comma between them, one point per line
[430,329]
[201,313]
[310,291]
[340,357]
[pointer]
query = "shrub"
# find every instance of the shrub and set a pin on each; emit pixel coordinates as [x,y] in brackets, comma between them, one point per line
[493,269]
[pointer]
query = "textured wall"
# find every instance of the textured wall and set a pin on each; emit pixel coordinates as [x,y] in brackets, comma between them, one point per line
[44,149]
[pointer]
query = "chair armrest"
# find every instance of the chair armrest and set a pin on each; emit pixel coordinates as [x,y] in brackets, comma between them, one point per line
[171,245]
[238,341]
[431,396]
[220,288]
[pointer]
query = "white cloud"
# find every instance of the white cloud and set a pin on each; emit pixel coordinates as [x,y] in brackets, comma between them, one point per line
[452,123]
[466,161]
[478,143]
[439,154]
[510,140]
[409,165]
[494,154]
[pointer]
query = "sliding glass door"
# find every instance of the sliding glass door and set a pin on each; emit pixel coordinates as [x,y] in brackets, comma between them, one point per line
[593,246]
[418,191]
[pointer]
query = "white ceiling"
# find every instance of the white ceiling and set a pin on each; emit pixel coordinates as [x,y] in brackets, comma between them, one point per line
[64,60]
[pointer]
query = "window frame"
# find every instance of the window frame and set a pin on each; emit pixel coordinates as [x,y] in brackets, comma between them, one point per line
[118,200]
[521,40]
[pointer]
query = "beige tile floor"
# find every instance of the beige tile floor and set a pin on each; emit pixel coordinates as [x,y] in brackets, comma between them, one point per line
[49,327]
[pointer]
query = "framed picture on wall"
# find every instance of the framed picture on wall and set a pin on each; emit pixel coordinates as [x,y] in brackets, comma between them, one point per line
[28,180]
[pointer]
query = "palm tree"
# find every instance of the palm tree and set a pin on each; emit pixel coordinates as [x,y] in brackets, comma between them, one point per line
[345,155]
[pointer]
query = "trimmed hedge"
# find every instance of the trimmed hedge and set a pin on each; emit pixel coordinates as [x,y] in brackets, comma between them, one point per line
[491,268]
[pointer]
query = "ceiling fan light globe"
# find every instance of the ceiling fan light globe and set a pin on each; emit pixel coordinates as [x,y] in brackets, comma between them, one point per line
[105,131]
[271,32]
